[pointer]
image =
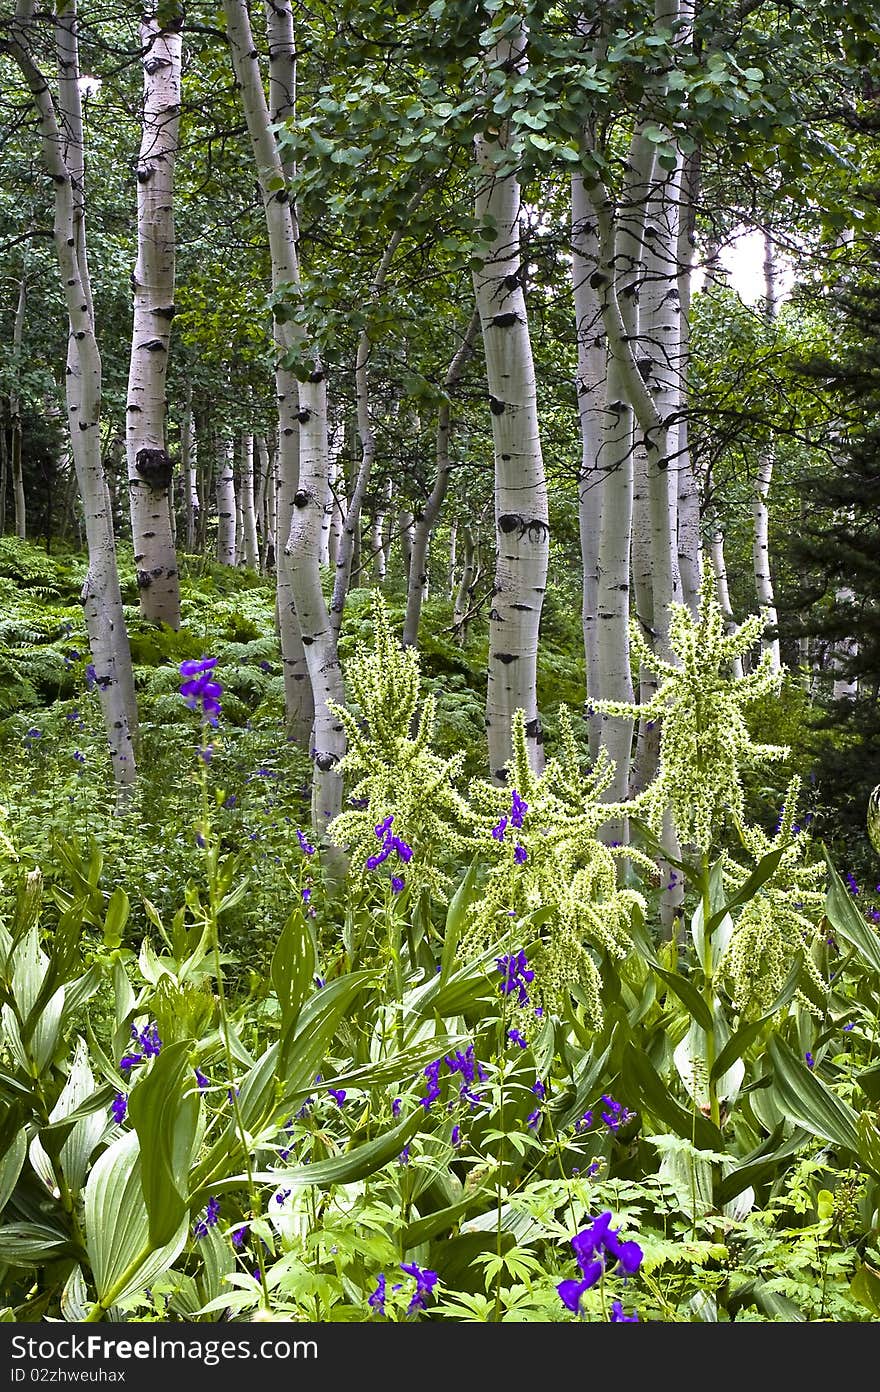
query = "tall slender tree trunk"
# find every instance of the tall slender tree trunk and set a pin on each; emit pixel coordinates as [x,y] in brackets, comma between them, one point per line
[522,527]
[760,509]
[62,143]
[188,470]
[226,508]
[15,410]
[590,386]
[465,585]
[426,521]
[250,549]
[722,590]
[302,407]
[150,470]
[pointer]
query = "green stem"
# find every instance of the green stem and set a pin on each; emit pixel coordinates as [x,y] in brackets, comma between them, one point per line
[213,907]
[709,998]
[100,1308]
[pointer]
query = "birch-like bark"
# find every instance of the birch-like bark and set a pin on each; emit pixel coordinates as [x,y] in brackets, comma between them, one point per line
[427,519]
[250,555]
[302,407]
[226,509]
[378,559]
[465,586]
[453,558]
[20,509]
[62,145]
[719,565]
[689,494]
[760,509]
[590,386]
[150,470]
[349,539]
[522,527]
[188,468]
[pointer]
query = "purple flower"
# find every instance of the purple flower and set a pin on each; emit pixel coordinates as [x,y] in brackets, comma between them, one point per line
[533,1120]
[618,1317]
[851,881]
[585,1121]
[515,1036]
[384,827]
[282,1194]
[238,1235]
[306,895]
[851,1025]
[539,1089]
[456,1136]
[592,1245]
[520,855]
[396,884]
[432,1073]
[499,829]
[305,845]
[425,1283]
[119,1106]
[149,1040]
[518,809]
[810,1061]
[129,1061]
[338,1095]
[33,733]
[395,1107]
[90,675]
[79,756]
[403,1157]
[517,975]
[202,1079]
[206,754]
[377,1300]
[212,1214]
[199,689]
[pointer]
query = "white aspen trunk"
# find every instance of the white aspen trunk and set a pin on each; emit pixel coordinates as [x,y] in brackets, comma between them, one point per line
[719,566]
[463,594]
[406,531]
[303,548]
[590,385]
[346,558]
[188,468]
[302,416]
[426,521]
[378,558]
[522,527]
[843,650]
[239,524]
[250,547]
[15,410]
[149,466]
[760,509]
[689,500]
[617,274]
[299,706]
[226,510]
[337,516]
[453,558]
[265,505]
[101,597]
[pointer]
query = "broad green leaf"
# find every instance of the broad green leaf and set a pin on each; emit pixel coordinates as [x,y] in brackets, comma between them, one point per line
[11,1165]
[762,872]
[687,994]
[32,1244]
[123,1260]
[353,1165]
[656,1098]
[164,1110]
[807,1100]
[293,967]
[865,1288]
[746,1035]
[455,917]
[846,920]
[116,917]
[422,1229]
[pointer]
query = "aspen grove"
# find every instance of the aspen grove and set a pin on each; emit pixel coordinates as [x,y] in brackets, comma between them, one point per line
[439,661]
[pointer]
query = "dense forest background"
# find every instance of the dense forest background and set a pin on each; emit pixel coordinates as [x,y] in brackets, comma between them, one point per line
[403,409]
